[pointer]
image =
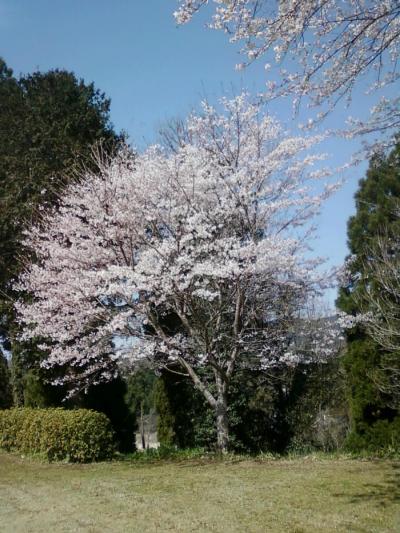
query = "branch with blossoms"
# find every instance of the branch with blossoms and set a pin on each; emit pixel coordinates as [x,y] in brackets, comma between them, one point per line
[329,48]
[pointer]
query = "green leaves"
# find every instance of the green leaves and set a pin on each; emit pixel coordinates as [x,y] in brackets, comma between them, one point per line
[77,435]
[49,123]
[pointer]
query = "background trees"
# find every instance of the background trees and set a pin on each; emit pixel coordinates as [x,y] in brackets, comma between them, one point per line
[382,312]
[379,301]
[49,123]
[199,256]
[377,204]
[299,408]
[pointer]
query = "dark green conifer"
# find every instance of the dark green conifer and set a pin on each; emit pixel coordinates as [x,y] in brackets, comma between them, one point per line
[377,203]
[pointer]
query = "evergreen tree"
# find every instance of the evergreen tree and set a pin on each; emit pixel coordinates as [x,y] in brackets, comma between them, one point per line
[49,123]
[166,418]
[140,390]
[376,212]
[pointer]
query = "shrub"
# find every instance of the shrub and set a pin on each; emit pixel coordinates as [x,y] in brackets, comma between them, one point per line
[381,437]
[78,435]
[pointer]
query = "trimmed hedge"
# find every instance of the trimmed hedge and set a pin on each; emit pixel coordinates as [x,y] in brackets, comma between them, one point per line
[77,435]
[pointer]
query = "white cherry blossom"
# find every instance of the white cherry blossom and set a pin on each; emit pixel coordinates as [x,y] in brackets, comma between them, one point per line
[328,48]
[200,255]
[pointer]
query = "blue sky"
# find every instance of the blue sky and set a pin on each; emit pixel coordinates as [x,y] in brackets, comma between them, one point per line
[152,71]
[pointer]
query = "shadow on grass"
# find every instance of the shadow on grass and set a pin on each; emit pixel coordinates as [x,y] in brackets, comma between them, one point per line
[380,494]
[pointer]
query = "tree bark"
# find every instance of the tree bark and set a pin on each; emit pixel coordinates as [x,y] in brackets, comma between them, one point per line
[221,414]
[219,403]
[222,427]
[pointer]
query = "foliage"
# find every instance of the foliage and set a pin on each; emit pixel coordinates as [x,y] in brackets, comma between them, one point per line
[110,398]
[5,385]
[214,236]
[166,419]
[140,390]
[318,411]
[76,435]
[381,437]
[49,123]
[38,393]
[302,408]
[380,312]
[327,48]
[376,204]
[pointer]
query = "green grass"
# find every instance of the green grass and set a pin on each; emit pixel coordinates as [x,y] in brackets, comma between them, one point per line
[294,496]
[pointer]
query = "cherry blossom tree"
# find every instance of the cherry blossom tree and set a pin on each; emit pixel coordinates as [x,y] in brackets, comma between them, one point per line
[327,46]
[195,258]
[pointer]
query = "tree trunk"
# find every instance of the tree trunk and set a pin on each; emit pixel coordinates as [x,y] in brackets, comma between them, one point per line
[219,403]
[221,414]
[222,427]
[142,432]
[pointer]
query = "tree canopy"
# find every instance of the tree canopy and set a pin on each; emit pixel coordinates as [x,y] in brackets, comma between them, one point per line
[196,257]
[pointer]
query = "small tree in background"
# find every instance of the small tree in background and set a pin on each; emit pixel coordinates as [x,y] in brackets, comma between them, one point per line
[166,418]
[213,235]
[140,400]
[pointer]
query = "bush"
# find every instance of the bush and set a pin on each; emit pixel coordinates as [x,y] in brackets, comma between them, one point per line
[78,435]
[381,438]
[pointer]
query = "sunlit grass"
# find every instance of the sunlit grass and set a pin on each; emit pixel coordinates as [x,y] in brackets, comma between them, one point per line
[201,494]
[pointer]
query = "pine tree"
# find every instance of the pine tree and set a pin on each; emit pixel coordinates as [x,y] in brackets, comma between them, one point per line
[376,212]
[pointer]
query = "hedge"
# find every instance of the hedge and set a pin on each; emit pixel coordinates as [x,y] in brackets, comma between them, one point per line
[78,435]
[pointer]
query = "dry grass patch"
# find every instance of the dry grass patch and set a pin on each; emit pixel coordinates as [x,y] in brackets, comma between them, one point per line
[302,495]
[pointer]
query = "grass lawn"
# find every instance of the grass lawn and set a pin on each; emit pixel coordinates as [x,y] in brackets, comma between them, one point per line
[302,495]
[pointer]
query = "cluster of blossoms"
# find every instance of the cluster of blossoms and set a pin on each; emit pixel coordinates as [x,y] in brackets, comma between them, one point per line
[196,256]
[331,46]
